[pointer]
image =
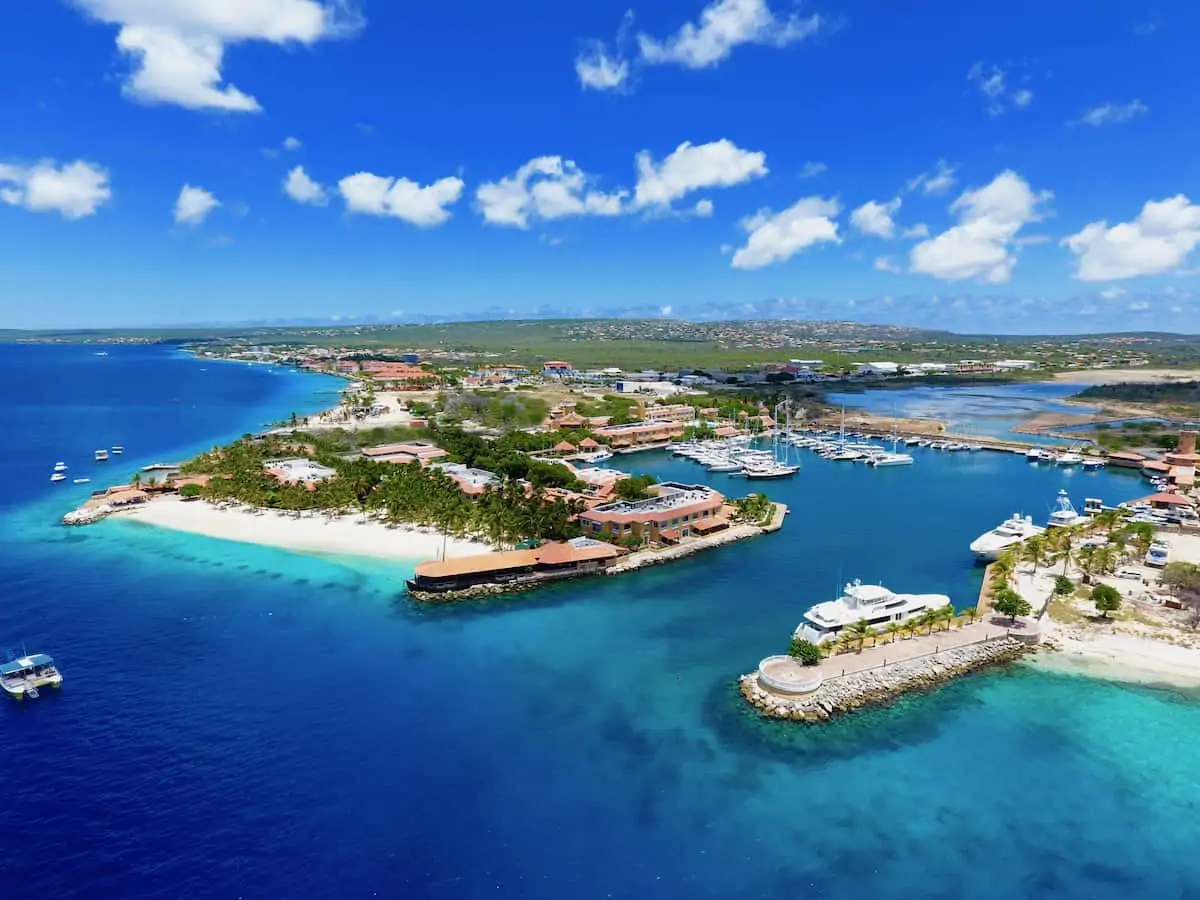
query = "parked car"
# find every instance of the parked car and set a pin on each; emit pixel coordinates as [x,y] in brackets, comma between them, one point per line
[1128,573]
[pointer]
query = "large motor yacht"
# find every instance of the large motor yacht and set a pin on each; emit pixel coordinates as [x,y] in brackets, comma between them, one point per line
[1065,515]
[872,602]
[1011,531]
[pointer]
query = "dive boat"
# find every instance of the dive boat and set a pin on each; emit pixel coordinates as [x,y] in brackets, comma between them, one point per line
[1068,459]
[21,677]
[58,476]
[1008,533]
[1064,515]
[872,602]
[117,449]
[100,455]
[60,467]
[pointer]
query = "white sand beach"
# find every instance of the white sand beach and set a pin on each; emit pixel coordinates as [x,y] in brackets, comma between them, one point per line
[315,534]
[1142,643]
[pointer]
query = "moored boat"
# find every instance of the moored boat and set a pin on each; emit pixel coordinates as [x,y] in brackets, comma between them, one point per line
[100,455]
[873,603]
[1064,514]
[1008,533]
[21,677]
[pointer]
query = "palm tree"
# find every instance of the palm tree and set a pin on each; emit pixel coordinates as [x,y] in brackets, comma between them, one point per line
[1062,546]
[945,615]
[136,480]
[1034,551]
[846,641]
[1005,565]
[893,629]
[972,613]
[859,632]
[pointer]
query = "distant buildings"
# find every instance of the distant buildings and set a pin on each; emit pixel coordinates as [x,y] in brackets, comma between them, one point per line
[639,434]
[421,452]
[557,368]
[677,511]
[298,471]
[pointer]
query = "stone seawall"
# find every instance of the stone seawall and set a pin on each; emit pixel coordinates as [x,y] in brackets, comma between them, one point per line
[876,687]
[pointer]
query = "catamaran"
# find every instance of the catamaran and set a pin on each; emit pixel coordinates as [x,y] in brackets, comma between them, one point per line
[21,677]
[1011,531]
[872,602]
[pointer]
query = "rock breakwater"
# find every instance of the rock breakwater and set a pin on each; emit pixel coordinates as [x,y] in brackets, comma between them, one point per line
[875,687]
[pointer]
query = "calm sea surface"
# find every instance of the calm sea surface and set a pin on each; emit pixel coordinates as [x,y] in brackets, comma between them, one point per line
[243,722]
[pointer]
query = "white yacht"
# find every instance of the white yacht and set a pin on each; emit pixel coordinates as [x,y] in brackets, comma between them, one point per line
[58,476]
[769,470]
[1064,515]
[1068,459]
[890,459]
[1034,454]
[100,455]
[1011,531]
[60,467]
[872,602]
[1093,462]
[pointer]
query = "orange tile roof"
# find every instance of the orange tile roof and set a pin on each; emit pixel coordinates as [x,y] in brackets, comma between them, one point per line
[558,553]
[564,447]
[1169,500]
[473,565]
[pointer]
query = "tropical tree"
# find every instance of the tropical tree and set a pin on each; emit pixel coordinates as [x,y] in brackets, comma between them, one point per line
[893,629]
[1063,586]
[1035,551]
[805,651]
[847,641]
[1062,546]
[1107,520]
[1106,598]
[136,480]
[1008,602]
[945,616]
[859,631]
[972,613]
[1005,565]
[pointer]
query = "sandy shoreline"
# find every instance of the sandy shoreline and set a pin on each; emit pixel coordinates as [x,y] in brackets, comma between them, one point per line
[1118,376]
[1121,657]
[347,535]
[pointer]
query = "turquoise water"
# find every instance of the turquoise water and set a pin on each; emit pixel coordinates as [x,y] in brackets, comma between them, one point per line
[992,411]
[239,721]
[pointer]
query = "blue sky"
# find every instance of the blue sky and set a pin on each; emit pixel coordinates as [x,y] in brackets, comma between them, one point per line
[978,170]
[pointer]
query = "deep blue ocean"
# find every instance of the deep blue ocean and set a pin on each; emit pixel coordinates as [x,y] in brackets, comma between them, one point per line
[244,722]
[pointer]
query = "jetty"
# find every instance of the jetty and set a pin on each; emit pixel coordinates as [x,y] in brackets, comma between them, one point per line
[783,688]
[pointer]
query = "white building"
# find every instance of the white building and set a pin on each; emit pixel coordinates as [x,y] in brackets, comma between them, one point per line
[658,388]
[879,368]
[1011,365]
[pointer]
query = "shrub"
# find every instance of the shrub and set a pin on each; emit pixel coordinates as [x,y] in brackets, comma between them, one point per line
[1063,586]
[808,653]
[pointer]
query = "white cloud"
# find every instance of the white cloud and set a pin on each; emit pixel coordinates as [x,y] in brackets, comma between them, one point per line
[725,25]
[546,187]
[74,190]
[992,82]
[400,198]
[938,183]
[1139,306]
[689,168]
[1157,241]
[919,230]
[875,218]
[303,189]
[1111,113]
[981,245]
[813,169]
[599,71]
[776,237]
[703,209]
[292,143]
[193,205]
[885,264]
[1113,292]
[178,45]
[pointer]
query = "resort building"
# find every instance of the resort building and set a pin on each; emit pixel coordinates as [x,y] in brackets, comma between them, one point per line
[564,418]
[471,482]
[1126,459]
[675,512]
[557,368]
[640,434]
[417,451]
[676,412]
[549,562]
[298,471]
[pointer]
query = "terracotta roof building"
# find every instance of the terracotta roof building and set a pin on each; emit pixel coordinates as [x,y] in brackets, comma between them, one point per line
[676,511]
[639,434]
[416,451]
[551,561]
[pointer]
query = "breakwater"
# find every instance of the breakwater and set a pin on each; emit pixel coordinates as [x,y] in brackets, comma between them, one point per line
[874,687]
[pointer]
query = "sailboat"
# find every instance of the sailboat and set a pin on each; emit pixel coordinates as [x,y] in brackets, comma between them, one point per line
[894,458]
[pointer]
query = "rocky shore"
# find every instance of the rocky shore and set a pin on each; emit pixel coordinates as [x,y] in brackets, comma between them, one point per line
[875,687]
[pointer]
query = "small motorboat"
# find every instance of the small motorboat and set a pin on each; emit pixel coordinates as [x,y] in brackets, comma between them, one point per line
[100,455]
[117,449]
[81,481]
[58,476]
[60,467]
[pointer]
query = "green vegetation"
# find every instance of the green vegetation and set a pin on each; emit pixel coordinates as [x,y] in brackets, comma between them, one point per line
[635,487]
[806,652]
[618,408]
[1179,392]
[504,514]
[493,410]
[755,508]
[1009,603]
[1106,598]
[1063,586]
[1181,577]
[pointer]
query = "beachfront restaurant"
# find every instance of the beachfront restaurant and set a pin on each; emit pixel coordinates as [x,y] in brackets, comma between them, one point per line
[550,561]
[676,511]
